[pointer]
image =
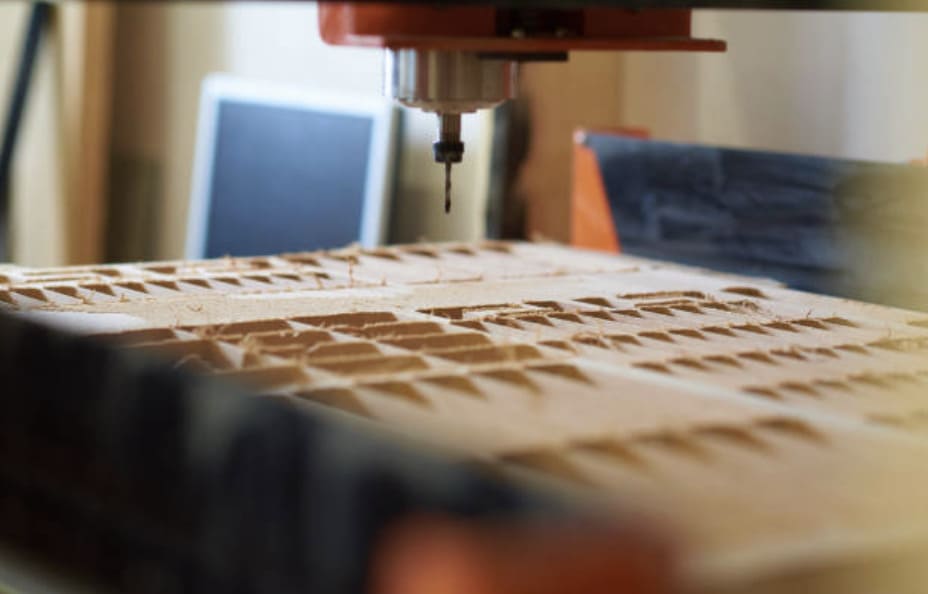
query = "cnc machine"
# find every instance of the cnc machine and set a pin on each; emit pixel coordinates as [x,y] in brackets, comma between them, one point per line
[430,419]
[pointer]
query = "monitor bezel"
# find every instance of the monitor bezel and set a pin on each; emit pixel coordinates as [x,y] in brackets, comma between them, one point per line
[217,88]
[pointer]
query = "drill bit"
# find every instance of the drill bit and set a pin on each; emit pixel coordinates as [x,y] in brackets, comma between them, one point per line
[447,186]
[448,149]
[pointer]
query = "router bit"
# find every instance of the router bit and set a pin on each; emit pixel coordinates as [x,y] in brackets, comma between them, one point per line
[447,187]
[448,149]
[448,83]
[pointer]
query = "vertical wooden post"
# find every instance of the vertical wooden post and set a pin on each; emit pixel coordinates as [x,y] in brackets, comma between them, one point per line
[583,93]
[85,58]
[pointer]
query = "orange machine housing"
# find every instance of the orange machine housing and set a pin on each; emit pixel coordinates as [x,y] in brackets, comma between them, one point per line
[506,31]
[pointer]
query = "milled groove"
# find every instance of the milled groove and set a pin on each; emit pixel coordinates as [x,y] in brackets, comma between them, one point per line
[670,442]
[545,312]
[564,371]
[551,320]
[914,422]
[763,392]
[213,355]
[665,295]
[901,345]
[170,285]
[344,399]
[153,281]
[350,320]
[241,328]
[597,301]
[717,362]
[513,377]
[267,378]
[701,445]
[338,350]
[657,335]
[548,462]
[196,282]
[421,251]
[471,325]
[752,292]
[132,337]
[846,384]
[68,291]
[456,383]
[384,253]
[35,294]
[656,367]
[459,312]
[270,341]
[402,390]
[365,366]
[490,354]
[413,390]
[440,342]
[792,428]
[394,329]
[611,448]
[136,286]
[500,247]
[732,435]
[255,352]
[462,250]
[302,259]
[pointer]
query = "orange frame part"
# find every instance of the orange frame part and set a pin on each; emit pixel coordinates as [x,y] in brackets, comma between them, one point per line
[591,223]
[445,556]
[483,29]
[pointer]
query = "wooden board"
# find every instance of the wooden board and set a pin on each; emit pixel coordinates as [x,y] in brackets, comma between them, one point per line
[779,434]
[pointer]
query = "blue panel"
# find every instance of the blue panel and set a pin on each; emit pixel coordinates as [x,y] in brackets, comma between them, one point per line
[286,179]
[819,224]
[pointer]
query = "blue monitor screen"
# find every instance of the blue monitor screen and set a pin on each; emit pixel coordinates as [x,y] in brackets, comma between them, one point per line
[285,179]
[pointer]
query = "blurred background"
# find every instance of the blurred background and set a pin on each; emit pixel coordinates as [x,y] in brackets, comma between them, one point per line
[104,166]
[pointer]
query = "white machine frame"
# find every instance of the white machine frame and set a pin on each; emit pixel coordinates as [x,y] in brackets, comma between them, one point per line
[378,184]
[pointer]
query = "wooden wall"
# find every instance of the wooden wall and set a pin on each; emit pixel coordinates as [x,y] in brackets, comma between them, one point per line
[86,31]
[583,92]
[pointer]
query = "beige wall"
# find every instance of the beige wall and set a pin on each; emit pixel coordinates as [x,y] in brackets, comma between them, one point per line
[848,85]
[37,218]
